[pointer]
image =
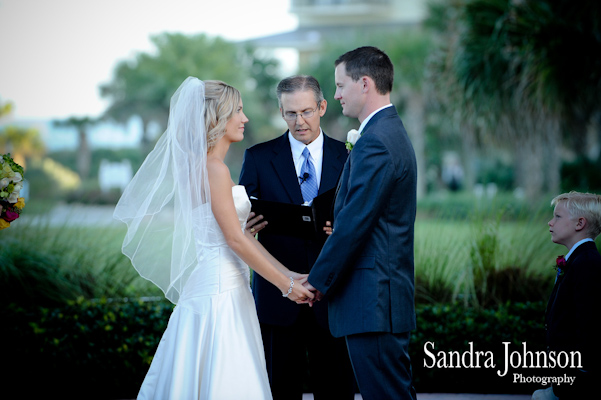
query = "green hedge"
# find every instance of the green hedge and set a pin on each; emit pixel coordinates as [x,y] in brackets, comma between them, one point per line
[88,349]
[102,349]
[453,327]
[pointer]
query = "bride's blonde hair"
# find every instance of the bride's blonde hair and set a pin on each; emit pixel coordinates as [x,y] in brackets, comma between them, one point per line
[221,102]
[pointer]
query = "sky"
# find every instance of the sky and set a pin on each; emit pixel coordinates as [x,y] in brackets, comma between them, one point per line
[54,54]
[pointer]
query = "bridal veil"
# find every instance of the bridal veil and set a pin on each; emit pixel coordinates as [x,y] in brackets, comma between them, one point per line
[157,204]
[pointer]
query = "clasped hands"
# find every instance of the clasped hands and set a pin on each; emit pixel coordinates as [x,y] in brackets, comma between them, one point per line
[254,224]
[318,295]
[308,294]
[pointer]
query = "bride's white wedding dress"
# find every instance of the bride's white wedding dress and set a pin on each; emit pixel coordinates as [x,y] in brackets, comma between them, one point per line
[212,346]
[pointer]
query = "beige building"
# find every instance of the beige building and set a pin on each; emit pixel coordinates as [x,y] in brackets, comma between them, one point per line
[321,20]
[315,13]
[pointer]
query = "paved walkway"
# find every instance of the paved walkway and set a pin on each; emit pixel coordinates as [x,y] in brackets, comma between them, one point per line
[78,214]
[471,396]
[453,396]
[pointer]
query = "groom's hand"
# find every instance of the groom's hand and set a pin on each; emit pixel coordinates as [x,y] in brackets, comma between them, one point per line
[253,225]
[318,294]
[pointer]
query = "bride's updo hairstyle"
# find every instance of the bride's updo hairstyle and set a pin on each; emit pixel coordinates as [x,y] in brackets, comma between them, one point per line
[221,102]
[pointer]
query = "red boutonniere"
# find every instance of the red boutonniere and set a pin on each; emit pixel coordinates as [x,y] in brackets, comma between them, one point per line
[560,265]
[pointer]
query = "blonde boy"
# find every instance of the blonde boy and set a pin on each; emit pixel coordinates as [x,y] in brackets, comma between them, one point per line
[573,307]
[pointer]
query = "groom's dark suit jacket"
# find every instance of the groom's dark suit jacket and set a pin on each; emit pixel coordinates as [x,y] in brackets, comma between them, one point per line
[268,173]
[572,317]
[366,265]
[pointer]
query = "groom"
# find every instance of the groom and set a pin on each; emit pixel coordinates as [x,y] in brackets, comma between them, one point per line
[366,265]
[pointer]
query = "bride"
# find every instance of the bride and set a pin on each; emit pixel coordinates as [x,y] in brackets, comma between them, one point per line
[185,232]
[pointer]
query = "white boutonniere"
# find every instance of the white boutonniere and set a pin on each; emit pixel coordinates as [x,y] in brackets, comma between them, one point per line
[351,138]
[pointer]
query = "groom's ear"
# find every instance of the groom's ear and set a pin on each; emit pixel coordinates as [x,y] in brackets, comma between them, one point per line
[368,83]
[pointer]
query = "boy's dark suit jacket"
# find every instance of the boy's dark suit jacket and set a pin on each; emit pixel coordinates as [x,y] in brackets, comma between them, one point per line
[268,173]
[572,318]
[366,266]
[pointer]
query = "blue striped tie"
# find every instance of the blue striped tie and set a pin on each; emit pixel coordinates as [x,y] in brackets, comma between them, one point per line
[308,182]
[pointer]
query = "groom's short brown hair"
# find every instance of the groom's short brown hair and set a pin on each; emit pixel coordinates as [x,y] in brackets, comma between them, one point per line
[369,61]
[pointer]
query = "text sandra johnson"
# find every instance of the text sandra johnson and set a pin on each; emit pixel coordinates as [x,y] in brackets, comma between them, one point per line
[514,359]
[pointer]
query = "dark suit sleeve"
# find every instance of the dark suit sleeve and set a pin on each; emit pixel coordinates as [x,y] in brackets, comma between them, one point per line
[370,181]
[248,175]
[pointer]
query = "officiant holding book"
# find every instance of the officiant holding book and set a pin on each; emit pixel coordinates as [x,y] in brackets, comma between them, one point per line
[295,168]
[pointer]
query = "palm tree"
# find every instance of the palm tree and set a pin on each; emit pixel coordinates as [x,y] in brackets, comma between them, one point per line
[84,154]
[506,64]
[143,87]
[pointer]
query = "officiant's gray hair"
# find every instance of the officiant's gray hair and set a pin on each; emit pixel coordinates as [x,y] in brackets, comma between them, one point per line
[586,205]
[299,83]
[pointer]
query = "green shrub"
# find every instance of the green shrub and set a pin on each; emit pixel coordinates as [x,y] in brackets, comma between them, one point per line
[102,349]
[452,327]
[45,265]
[86,349]
[42,187]
[29,276]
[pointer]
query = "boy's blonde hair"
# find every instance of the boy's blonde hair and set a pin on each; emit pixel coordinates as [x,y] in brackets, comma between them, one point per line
[585,205]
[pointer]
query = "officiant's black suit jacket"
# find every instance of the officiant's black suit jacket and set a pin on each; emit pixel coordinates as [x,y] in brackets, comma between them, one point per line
[573,315]
[268,173]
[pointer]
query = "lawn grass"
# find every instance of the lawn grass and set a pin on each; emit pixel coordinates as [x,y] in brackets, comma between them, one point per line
[54,264]
[486,253]
[483,261]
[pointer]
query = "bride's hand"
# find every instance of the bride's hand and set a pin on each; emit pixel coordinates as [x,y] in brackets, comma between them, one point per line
[298,277]
[299,293]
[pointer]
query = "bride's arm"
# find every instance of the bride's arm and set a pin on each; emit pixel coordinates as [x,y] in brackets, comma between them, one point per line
[223,207]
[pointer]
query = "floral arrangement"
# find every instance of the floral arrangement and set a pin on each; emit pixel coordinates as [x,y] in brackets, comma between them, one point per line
[11,183]
[351,138]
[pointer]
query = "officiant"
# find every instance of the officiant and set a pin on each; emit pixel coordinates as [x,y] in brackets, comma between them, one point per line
[294,168]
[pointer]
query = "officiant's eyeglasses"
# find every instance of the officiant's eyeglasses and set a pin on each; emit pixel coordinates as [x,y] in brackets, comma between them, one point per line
[292,116]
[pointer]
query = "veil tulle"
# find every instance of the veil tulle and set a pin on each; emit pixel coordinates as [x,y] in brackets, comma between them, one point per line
[157,204]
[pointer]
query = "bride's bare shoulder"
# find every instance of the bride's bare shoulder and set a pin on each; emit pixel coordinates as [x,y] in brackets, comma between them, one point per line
[216,168]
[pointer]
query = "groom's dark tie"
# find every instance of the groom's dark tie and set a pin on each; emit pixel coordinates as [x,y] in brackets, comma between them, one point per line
[308,182]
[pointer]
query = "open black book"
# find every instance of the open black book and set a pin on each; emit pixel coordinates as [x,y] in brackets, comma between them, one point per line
[306,222]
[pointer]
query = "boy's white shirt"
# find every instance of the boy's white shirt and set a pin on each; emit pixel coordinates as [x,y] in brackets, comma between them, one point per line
[576,245]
